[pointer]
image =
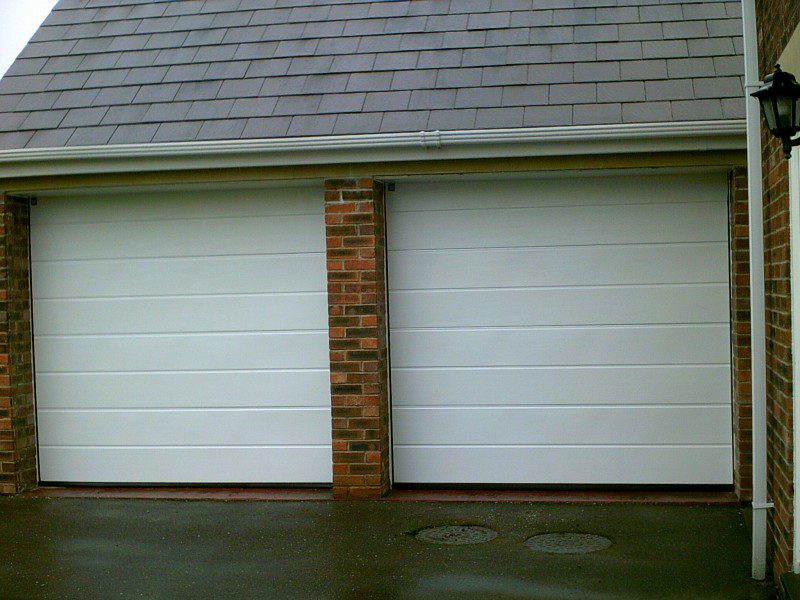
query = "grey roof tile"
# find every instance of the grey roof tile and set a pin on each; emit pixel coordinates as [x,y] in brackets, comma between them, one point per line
[549,73]
[210,109]
[342,103]
[430,99]
[111,96]
[573,93]
[266,127]
[12,140]
[75,98]
[50,138]
[117,115]
[312,125]
[547,116]
[404,121]
[509,75]
[297,105]
[718,87]
[596,114]
[45,119]
[388,101]
[198,90]
[525,95]
[193,72]
[435,59]
[357,122]
[678,68]
[646,112]
[413,80]
[34,101]
[164,92]
[672,89]
[177,132]
[266,68]
[84,117]
[241,88]
[396,60]
[449,78]
[166,111]
[695,110]
[479,97]
[488,118]
[621,91]
[91,136]
[253,107]
[212,69]
[452,120]
[225,129]
[14,121]
[597,71]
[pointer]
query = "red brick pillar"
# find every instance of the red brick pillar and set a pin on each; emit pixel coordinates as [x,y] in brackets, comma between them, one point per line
[17,429]
[740,334]
[355,234]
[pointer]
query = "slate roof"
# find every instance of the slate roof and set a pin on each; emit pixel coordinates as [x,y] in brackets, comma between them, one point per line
[137,71]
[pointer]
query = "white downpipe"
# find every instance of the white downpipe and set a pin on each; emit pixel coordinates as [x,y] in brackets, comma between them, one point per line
[757,292]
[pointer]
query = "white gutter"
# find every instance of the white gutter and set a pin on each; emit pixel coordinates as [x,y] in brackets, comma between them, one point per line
[423,145]
[757,293]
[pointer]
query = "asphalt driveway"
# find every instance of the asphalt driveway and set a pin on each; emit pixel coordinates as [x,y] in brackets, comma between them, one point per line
[111,548]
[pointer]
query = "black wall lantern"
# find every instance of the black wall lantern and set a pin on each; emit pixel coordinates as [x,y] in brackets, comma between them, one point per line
[779,98]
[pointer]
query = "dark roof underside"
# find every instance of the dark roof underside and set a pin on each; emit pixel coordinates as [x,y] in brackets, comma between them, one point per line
[138,71]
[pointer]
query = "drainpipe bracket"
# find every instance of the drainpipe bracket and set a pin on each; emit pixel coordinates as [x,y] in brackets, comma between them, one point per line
[762,505]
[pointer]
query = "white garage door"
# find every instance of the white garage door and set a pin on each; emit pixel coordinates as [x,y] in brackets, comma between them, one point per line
[182,337]
[561,331]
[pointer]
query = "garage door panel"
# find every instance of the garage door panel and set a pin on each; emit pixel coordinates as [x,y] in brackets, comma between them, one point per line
[173,427]
[160,205]
[686,384]
[186,465]
[579,191]
[180,276]
[571,425]
[182,352]
[561,330]
[677,465]
[256,312]
[561,226]
[176,237]
[172,328]
[558,306]
[190,389]
[549,267]
[655,345]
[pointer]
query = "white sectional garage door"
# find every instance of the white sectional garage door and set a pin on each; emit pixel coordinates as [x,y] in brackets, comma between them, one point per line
[182,337]
[561,331]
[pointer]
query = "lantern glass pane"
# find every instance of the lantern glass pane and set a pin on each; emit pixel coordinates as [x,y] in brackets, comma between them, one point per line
[784,106]
[770,112]
[796,119]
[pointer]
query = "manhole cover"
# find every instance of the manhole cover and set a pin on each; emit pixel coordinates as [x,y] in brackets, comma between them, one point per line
[456,535]
[567,543]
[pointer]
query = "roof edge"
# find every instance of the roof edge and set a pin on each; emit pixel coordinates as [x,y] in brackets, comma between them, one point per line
[682,136]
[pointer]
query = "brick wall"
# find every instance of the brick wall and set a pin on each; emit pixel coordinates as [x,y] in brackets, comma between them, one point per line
[355,241]
[17,418]
[776,21]
[740,333]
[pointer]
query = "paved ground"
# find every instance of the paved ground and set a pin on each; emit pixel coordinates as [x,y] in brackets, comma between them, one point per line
[106,548]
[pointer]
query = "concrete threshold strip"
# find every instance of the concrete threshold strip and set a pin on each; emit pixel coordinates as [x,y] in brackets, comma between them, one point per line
[259,494]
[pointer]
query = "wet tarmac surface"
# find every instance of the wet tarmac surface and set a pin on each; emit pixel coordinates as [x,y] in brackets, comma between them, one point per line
[111,548]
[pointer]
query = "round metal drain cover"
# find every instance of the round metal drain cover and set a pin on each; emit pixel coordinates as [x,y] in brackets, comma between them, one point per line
[567,543]
[456,535]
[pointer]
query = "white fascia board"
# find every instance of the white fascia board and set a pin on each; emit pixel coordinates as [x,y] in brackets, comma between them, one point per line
[384,147]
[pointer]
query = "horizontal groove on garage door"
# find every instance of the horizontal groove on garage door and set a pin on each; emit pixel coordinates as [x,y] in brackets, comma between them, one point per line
[542,330]
[182,337]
